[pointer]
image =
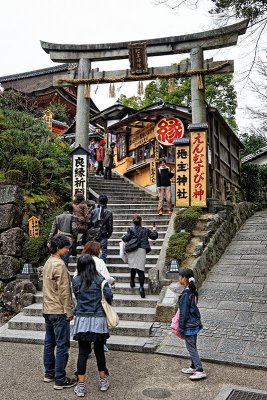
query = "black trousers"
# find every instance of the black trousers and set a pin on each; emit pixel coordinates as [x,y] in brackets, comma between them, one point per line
[107,174]
[100,169]
[85,350]
[141,276]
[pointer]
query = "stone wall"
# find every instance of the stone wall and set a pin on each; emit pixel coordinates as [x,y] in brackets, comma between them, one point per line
[11,233]
[219,233]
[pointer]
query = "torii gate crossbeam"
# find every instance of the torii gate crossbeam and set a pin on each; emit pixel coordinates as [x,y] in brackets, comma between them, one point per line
[194,44]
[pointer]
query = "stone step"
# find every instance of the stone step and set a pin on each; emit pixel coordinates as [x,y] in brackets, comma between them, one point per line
[116,242]
[125,313]
[123,228]
[131,206]
[148,222]
[34,323]
[115,250]
[149,214]
[115,342]
[138,201]
[120,300]
[115,259]
[144,211]
[117,194]
[122,189]
[121,277]
[113,268]
[116,236]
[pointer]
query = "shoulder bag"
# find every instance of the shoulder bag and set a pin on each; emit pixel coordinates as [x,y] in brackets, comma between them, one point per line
[111,315]
[133,244]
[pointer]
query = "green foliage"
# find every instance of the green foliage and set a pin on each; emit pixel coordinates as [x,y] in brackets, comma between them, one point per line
[220,93]
[177,247]
[31,169]
[252,143]
[13,177]
[59,111]
[27,144]
[187,219]
[35,250]
[254,182]
[252,10]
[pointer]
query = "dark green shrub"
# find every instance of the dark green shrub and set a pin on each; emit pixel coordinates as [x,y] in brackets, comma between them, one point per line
[254,182]
[13,177]
[187,219]
[177,247]
[31,169]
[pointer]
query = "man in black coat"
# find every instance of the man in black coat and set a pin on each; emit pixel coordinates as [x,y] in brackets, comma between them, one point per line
[163,177]
[101,225]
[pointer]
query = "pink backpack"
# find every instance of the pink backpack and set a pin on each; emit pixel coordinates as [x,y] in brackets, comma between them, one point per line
[175,326]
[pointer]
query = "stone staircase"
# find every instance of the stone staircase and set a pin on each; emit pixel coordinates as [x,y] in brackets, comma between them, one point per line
[137,315]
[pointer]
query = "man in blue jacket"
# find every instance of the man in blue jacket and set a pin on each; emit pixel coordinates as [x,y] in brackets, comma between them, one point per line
[164,176]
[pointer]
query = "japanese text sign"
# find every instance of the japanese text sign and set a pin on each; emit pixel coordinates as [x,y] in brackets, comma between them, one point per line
[79,174]
[33,225]
[153,172]
[198,150]
[168,129]
[138,58]
[182,176]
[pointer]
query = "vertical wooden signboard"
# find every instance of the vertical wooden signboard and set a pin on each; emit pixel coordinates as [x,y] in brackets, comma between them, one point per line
[198,150]
[79,171]
[153,172]
[182,172]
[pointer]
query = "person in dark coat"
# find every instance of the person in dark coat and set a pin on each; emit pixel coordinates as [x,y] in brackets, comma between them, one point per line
[108,162]
[163,176]
[65,224]
[100,225]
[137,258]
[100,155]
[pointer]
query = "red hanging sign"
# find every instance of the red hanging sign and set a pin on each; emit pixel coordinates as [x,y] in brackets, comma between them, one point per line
[168,129]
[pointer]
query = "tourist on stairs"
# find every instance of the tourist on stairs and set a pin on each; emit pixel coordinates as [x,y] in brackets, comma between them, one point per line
[137,246]
[163,176]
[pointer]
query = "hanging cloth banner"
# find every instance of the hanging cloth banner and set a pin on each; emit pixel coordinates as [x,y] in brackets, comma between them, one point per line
[198,150]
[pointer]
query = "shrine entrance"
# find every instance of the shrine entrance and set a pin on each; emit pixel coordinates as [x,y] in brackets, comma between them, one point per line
[138,53]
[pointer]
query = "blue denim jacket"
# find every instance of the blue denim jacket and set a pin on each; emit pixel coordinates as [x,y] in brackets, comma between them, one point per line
[89,298]
[189,315]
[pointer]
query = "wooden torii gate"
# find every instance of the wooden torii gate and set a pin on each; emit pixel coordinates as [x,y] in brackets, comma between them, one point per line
[194,44]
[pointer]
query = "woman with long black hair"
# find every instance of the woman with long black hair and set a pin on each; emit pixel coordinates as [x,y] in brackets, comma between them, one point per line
[90,324]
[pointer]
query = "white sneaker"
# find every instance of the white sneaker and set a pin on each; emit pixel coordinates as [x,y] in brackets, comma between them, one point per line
[188,370]
[104,384]
[197,375]
[79,390]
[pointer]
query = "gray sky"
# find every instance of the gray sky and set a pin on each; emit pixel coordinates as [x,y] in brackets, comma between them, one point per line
[25,22]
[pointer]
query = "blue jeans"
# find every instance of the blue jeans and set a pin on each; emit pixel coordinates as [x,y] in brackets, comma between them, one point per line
[57,335]
[104,245]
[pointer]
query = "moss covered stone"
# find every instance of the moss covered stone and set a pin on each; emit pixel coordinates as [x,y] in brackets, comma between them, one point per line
[187,219]
[177,247]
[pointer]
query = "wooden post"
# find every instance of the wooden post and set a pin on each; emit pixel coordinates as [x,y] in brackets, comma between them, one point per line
[197,90]
[83,106]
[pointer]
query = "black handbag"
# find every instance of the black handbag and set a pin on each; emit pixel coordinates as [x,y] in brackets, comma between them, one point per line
[133,244]
[94,234]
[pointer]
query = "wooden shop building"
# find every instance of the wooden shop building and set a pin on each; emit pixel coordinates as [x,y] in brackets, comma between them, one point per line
[144,136]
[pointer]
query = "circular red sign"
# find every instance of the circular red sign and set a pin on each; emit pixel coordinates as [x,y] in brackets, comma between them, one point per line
[168,129]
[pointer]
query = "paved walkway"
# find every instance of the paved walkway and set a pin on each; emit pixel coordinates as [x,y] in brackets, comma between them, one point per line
[233,303]
[133,376]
